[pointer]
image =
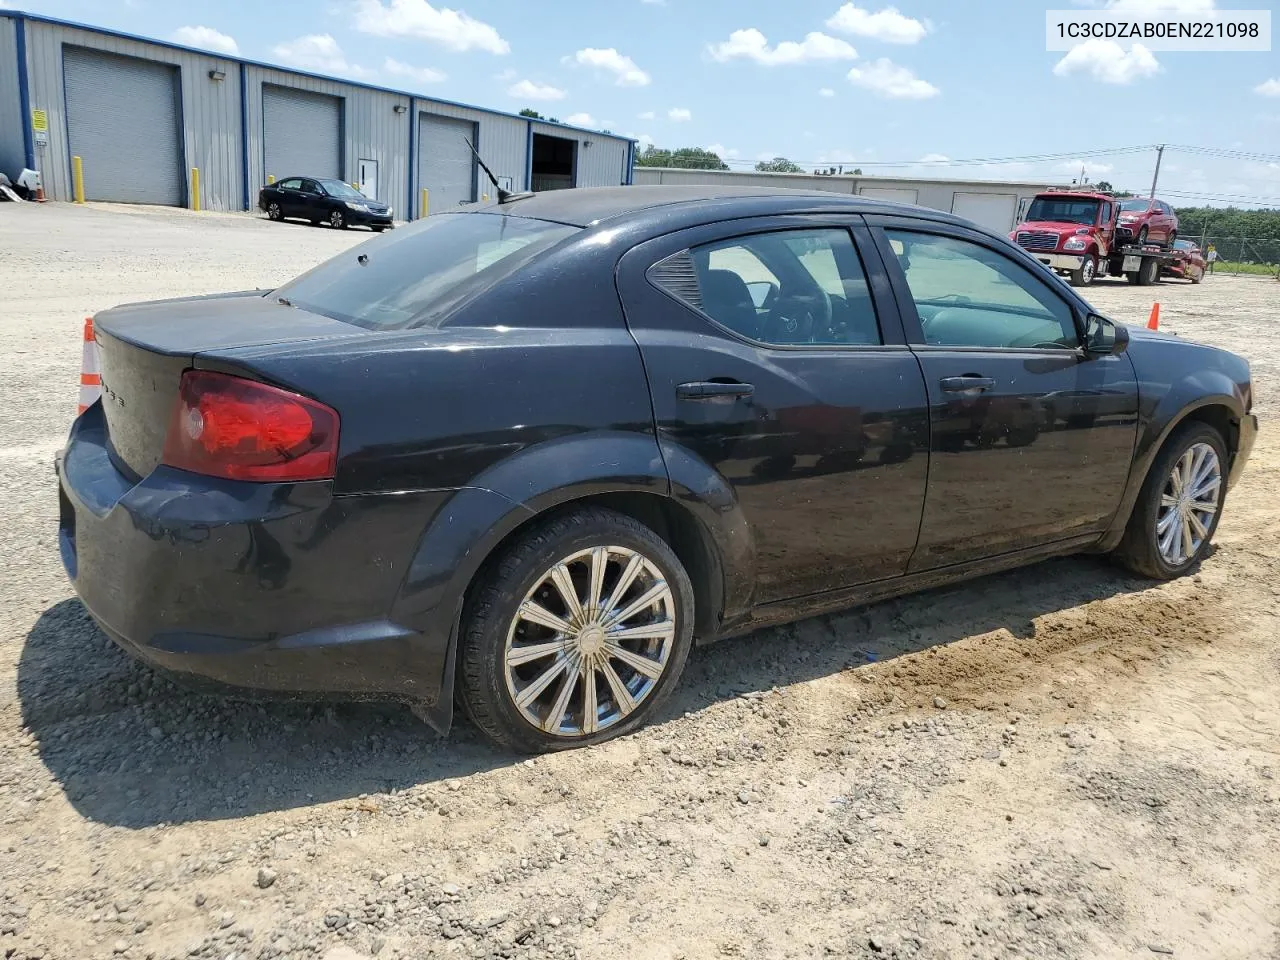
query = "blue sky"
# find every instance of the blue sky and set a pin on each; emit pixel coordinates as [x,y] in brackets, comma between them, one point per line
[893,89]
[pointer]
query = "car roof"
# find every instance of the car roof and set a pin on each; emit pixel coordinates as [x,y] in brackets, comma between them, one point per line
[585,206]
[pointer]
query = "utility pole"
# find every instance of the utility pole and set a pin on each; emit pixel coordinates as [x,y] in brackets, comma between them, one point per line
[1156,176]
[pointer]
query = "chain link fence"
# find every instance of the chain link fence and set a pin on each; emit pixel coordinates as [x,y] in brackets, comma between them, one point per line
[1242,255]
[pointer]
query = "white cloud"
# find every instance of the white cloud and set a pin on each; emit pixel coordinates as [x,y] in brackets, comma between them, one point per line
[647,115]
[887,25]
[1269,88]
[1161,6]
[421,74]
[826,92]
[642,139]
[751,44]
[419,20]
[316,51]
[935,159]
[723,152]
[206,38]
[679,114]
[1091,167]
[623,68]
[580,120]
[886,79]
[1108,62]
[535,91]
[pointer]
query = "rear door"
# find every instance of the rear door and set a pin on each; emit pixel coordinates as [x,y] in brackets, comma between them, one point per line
[313,202]
[776,359]
[1030,443]
[290,193]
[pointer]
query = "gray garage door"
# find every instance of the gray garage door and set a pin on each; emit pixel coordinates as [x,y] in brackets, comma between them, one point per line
[446,166]
[122,121]
[301,133]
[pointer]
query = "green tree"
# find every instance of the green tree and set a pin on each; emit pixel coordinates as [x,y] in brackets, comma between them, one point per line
[778,165]
[530,112]
[688,158]
[1104,186]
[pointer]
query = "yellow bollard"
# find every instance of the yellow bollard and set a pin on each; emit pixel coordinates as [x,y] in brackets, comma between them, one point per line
[77,178]
[271,178]
[424,202]
[195,188]
[484,197]
[355,187]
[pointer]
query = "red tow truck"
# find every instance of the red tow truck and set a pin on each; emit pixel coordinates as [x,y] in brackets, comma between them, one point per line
[1073,233]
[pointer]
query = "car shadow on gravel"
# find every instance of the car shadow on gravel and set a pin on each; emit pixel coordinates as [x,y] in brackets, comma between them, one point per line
[131,748]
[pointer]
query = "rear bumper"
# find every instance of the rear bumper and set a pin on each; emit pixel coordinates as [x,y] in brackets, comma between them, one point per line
[279,587]
[1248,436]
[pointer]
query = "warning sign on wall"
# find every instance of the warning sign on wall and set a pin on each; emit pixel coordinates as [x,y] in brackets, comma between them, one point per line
[40,125]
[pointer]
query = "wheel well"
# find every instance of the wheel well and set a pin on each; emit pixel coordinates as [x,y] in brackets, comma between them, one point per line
[673,523]
[1221,419]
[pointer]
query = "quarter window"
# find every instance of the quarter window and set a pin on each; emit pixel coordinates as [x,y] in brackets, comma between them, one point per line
[968,295]
[787,288]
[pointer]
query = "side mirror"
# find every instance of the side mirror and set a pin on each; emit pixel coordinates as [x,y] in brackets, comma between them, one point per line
[1103,337]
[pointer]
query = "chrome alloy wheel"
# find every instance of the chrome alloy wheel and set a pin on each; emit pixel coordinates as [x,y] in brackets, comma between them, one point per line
[1188,504]
[590,641]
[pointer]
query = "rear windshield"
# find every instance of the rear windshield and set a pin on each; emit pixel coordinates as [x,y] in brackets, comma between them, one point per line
[415,275]
[1063,210]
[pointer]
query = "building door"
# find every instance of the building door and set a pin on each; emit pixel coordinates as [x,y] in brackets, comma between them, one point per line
[446,165]
[123,122]
[368,178]
[301,133]
[995,211]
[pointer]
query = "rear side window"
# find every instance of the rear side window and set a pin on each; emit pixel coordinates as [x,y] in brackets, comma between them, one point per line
[787,288]
[415,275]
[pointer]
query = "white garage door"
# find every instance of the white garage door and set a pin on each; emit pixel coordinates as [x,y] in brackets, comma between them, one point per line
[900,194]
[301,133]
[995,211]
[122,121]
[446,166]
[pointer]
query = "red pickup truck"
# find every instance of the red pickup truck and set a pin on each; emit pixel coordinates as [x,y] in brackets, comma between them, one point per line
[1071,232]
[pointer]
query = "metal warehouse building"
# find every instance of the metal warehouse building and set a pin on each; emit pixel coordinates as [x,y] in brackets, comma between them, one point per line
[141,114]
[994,204]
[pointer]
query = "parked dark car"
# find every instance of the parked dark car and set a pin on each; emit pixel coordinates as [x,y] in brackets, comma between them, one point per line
[333,202]
[1146,220]
[527,455]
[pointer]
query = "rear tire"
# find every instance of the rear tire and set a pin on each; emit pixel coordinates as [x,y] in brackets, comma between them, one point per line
[533,700]
[1143,550]
[274,212]
[337,220]
[1168,243]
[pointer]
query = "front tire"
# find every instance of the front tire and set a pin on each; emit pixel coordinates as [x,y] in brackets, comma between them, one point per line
[337,220]
[1179,506]
[576,634]
[1085,275]
[1142,236]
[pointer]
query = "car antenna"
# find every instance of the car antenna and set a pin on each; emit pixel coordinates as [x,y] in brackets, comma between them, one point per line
[504,196]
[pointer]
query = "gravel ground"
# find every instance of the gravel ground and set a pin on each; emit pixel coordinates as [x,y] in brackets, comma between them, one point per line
[1058,762]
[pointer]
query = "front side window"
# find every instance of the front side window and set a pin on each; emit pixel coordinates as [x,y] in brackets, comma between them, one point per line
[291,184]
[968,295]
[787,288]
[412,276]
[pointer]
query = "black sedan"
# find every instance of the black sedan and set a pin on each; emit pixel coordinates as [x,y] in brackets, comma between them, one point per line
[527,455]
[333,202]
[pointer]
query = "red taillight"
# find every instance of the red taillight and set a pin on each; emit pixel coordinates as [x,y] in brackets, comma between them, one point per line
[226,426]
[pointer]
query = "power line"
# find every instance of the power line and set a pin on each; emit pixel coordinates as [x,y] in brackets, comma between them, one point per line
[1227,154]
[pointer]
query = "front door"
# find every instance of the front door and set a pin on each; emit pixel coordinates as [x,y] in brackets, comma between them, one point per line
[776,361]
[368,173]
[1030,442]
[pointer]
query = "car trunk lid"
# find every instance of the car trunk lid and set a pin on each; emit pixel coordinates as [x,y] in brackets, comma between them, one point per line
[143,350]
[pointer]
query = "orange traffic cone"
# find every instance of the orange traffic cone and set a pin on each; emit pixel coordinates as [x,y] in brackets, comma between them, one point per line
[90,378]
[1153,322]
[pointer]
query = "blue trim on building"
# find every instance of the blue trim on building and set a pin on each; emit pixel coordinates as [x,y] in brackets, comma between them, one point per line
[18,15]
[412,212]
[24,96]
[244,136]
[628,174]
[528,156]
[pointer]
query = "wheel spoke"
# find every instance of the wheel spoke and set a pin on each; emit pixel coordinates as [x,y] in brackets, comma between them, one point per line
[663,630]
[518,656]
[1207,507]
[1206,487]
[599,563]
[1166,522]
[1168,501]
[1207,467]
[621,695]
[537,613]
[1168,539]
[1188,538]
[568,593]
[535,689]
[555,716]
[637,662]
[620,589]
[1197,525]
[636,605]
[590,702]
